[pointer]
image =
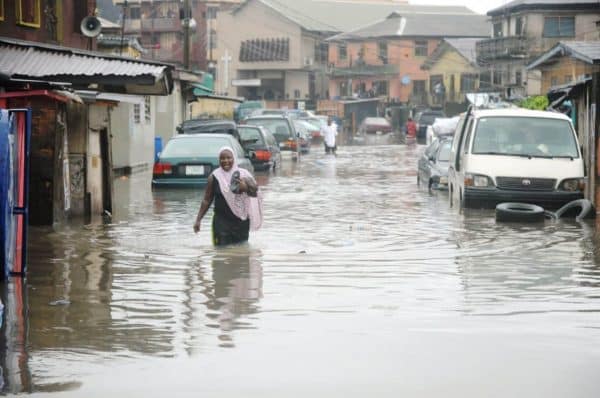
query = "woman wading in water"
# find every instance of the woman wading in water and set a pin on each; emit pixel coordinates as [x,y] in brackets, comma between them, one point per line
[238,202]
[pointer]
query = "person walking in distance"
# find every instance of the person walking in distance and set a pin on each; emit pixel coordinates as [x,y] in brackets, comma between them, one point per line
[238,202]
[411,128]
[329,133]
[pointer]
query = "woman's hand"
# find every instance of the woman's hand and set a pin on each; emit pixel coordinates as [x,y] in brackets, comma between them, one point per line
[243,185]
[197,226]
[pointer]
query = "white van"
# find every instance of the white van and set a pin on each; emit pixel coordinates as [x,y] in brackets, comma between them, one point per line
[515,155]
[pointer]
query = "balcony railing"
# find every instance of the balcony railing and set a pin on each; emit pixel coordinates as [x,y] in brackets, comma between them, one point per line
[364,70]
[502,47]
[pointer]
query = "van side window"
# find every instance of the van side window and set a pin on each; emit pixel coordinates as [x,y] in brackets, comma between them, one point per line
[467,140]
[457,142]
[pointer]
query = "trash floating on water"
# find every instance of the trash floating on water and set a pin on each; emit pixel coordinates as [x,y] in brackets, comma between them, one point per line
[60,302]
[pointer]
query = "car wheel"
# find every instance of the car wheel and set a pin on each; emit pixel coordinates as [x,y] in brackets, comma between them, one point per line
[519,212]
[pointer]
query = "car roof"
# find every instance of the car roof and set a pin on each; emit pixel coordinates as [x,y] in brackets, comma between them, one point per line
[518,112]
[207,122]
[268,117]
[203,136]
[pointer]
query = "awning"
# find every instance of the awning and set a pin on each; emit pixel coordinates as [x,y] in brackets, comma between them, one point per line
[557,94]
[84,69]
[206,87]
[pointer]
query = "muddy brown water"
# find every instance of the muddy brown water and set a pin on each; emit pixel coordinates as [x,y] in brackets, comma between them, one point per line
[359,284]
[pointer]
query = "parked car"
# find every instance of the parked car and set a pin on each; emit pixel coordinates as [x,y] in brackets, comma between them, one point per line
[304,130]
[281,127]
[374,125]
[515,155]
[262,147]
[316,125]
[188,159]
[433,164]
[424,119]
[245,109]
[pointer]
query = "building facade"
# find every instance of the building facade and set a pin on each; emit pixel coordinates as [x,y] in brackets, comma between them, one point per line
[523,30]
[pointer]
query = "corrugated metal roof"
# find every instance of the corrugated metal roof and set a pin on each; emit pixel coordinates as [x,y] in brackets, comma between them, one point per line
[21,59]
[422,25]
[518,5]
[586,51]
[343,16]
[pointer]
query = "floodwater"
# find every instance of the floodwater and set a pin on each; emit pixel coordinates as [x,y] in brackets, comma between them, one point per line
[360,284]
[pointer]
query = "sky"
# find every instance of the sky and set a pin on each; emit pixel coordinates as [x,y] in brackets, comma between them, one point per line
[479,6]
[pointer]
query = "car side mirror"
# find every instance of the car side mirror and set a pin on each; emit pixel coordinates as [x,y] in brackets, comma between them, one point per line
[432,158]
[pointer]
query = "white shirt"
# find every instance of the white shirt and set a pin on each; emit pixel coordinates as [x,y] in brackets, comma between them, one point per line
[329,132]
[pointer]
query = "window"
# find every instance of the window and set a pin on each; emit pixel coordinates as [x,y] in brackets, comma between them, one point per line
[382,52]
[568,79]
[559,27]
[421,48]
[296,93]
[380,87]
[467,82]
[211,13]
[497,27]
[518,78]
[418,87]
[147,110]
[213,39]
[28,13]
[136,113]
[497,78]
[1,10]
[342,52]
[135,13]
[518,26]
[485,80]
[554,81]
[321,52]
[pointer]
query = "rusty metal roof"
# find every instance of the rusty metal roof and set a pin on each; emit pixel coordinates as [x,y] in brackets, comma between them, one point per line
[22,59]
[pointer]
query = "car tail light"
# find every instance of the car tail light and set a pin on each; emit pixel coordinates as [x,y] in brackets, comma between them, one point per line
[262,155]
[292,144]
[162,168]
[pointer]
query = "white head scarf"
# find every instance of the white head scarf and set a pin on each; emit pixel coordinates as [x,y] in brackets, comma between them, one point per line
[241,205]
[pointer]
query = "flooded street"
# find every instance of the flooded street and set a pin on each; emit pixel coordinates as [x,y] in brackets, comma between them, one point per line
[360,284]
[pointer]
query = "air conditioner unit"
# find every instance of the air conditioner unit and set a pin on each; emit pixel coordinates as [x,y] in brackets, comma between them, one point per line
[308,61]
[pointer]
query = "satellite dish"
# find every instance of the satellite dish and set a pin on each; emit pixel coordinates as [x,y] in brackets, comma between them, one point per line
[91,26]
[405,80]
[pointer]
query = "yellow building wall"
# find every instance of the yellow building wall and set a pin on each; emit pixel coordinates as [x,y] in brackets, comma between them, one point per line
[564,71]
[213,108]
[452,64]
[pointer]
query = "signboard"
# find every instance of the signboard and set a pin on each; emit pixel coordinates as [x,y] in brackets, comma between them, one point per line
[246,82]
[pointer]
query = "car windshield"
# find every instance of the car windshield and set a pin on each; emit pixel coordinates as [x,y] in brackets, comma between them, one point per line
[525,136]
[444,153]
[278,127]
[250,135]
[194,147]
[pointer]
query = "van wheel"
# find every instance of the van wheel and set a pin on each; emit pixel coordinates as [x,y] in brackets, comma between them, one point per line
[519,212]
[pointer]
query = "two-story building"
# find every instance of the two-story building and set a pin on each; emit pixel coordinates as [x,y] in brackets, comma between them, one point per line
[384,58]
[279,49]
[522,30]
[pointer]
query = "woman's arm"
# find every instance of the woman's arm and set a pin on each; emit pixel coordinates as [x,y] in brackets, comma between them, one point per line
[208,198]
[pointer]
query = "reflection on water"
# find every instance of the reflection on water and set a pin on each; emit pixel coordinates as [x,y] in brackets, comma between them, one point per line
[356,268]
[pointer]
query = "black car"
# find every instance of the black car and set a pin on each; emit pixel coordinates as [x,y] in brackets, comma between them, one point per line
[281,127]
[211,126]
[261,147]
[425,119]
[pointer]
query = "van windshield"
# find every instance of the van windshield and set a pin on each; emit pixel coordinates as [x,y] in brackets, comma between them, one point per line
[278,127]
[525,136]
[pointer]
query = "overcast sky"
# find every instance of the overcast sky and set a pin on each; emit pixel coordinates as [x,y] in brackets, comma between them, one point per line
[479,6]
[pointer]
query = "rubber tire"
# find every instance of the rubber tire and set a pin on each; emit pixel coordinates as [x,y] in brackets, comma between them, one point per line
[519,212]
[584,204]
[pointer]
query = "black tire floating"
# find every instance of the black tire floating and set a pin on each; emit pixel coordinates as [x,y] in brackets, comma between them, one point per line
[584,204]
[519,212]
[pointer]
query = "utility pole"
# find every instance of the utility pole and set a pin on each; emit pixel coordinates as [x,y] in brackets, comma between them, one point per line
[123,26]
[186,34]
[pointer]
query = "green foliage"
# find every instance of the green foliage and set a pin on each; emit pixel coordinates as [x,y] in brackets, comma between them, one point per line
[539,102]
